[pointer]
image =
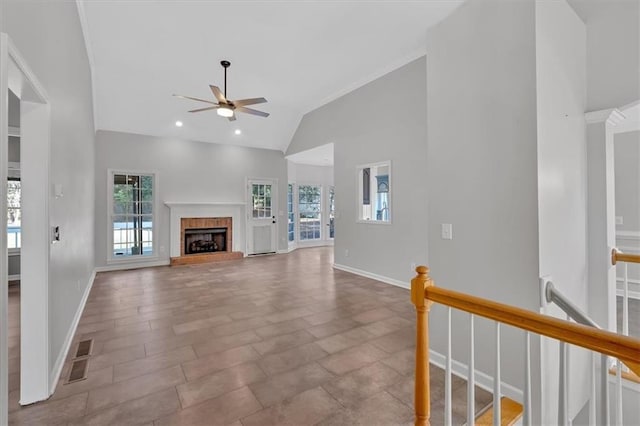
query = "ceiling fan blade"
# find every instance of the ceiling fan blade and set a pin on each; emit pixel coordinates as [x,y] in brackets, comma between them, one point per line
[218,94]
[195,99]
[232,118]
[252,101]
[252,111]
[205,109]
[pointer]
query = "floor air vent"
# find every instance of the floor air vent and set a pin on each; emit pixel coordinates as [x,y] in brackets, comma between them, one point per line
[84,348]
[78,370]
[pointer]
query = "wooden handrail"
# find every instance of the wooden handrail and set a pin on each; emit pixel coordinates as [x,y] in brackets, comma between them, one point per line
[618,256]
[424,292]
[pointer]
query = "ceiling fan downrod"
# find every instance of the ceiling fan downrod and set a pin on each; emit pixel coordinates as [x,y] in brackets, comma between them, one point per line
[225,64]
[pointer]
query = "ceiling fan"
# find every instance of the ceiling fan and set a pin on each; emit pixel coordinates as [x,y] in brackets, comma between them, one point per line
[225,107]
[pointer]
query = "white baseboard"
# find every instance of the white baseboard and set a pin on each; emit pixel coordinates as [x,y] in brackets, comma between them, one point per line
[483,380]
[373,276]
[57,367]
[13,277]
[287,250]
[132,265]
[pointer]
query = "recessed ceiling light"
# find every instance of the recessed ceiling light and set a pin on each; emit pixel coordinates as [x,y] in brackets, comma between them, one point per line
[178,123]
[238,132]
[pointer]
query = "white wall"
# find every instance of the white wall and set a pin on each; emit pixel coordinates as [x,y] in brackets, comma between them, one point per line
[364,131]
[562,182]
[187,171]
[482,169]
[309,174]
[50,38]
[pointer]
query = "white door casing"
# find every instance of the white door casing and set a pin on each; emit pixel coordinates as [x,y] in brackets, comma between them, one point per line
[16,75]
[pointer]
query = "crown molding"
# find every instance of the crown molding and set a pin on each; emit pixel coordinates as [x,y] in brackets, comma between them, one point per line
[611,116]
[87,44]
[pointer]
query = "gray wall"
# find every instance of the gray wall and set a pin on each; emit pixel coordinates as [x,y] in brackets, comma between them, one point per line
[14,149]
[187,171]
[562,182]
[627,181]
[364,131]
[49,36]
[613,52]
[481,168]
[627,167]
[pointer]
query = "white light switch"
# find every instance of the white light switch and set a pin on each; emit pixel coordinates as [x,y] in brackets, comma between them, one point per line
[447,231]
[619,220]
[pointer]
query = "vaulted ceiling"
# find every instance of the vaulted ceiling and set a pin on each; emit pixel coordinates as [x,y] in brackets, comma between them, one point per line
[297,54]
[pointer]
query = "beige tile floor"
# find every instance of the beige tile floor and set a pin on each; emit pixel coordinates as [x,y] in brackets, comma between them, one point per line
[275,340]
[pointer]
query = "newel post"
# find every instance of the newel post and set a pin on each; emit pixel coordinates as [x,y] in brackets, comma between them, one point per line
[422,402]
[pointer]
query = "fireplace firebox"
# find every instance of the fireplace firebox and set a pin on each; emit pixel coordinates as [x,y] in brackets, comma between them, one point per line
[207,240]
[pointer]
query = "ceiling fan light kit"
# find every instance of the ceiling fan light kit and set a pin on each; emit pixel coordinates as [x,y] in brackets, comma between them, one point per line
[225,107]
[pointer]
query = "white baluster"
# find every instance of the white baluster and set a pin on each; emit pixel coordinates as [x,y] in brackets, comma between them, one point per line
[497,409]
[562,386]
[604,390]
[619,393]
[625,300]
[447,374]
[527,379]
[471,377]
[592,400]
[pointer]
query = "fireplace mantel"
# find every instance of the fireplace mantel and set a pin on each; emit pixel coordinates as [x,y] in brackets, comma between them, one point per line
[172,204]
[195,209]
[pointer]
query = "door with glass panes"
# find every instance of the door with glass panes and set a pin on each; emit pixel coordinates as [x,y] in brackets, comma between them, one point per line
[261,218]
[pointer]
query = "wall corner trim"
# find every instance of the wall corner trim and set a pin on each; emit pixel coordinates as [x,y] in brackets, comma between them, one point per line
[611,116]
[57,367]
[373,276]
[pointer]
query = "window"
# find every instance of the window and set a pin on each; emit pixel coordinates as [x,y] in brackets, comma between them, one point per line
[14,214]
[332,211]
[374,192]
[261,201]
[309,205]
[290,214]
[132,214]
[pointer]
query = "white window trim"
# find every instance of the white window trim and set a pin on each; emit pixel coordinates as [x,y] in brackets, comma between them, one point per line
[294,192]
[358,201]
[131,259]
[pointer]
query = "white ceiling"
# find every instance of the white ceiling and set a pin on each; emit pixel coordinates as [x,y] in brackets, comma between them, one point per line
[297,54]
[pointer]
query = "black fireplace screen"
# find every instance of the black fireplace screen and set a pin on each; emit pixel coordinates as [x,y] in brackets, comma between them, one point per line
[206,240]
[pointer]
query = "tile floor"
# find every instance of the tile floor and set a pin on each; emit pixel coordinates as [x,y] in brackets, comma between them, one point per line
[274,340]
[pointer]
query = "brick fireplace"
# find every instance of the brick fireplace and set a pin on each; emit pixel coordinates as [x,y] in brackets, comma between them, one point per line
[205,239]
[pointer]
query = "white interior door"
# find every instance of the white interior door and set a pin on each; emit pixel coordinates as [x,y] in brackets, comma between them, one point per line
[262,216]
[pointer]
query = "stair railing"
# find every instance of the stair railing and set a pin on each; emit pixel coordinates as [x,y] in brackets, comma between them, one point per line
[424,293]
[626,259]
